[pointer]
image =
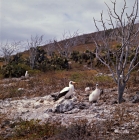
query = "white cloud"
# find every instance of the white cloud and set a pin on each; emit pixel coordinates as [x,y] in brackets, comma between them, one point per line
[22,18]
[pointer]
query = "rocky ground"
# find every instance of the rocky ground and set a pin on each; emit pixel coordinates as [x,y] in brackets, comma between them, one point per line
[124,117]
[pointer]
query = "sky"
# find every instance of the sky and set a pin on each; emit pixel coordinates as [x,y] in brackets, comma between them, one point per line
[21,19]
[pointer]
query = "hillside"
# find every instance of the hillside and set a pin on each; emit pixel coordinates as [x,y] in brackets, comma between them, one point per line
[30,107]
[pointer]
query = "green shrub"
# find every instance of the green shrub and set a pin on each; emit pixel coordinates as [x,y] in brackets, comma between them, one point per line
[76,76]
[106,80]
[13,70]
[1,76]
[34,72]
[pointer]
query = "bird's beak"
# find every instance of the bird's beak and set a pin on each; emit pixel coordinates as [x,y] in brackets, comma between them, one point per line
[74,82]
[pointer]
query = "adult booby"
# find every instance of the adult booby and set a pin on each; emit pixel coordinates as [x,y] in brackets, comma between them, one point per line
[93,97]
[26,74]
[67,91]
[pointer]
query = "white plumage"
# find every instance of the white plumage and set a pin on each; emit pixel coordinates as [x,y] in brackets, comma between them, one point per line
[68,91]
[26,74]
[87,89]
[121,76]
[95,94]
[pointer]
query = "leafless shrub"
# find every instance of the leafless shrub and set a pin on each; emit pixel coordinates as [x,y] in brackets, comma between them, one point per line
[8,49]
[124,32]
[76,131]
[32,44]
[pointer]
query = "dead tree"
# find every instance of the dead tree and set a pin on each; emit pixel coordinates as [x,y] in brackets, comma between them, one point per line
[125,32]
[32,44]
[8,49]
[64,46]
[50,48]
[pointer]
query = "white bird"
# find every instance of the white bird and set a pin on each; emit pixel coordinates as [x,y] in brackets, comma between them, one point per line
[26,74]
[121,76]
[67,91]
[87,89]
[93,97]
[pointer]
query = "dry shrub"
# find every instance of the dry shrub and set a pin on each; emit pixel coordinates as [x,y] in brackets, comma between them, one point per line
[78,130]
[34,129]
[3,122]
[105,81]
[46,83]
[122,120]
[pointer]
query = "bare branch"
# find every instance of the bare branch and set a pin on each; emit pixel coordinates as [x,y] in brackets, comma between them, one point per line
[33,43]
[125,33]
[8,49]
[68,41]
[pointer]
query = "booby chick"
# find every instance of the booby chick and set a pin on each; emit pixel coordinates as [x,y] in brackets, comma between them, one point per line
[93,97]
[67,91]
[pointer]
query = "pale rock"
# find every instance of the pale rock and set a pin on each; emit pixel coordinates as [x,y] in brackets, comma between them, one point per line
[126,131]
[116,131]
[75,110]
[99,74]
[63,106]
[37,106]
[20,89]
[87,89]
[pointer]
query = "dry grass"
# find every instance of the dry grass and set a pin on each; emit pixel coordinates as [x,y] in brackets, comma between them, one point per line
[45,83]
[84,47]
[41,84]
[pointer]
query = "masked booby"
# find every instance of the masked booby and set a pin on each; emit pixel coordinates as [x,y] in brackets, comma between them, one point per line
[68,91]
[26,74]
[93,97]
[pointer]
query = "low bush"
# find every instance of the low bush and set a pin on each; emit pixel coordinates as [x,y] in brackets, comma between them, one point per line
[34,129]
[13,70]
